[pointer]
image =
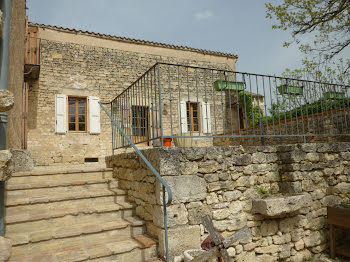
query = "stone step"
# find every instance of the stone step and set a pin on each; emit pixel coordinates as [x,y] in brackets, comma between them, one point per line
[56,180]
[45,195]
[33,212]
[121,229]
[136,249]
[55,224]
[63,169]
[12,184]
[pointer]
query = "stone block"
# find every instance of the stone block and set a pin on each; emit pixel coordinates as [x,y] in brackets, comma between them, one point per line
[314,239]
[189,168]
[193,153]
[236,207]
[180,239]
[7,100]
[271,249]
[22,160]
[232,195]
[212,198]
[280,205]
[5,249]
[6,165]
[195,214]
[235,223]
[220,214]
[177,215]
[258,158]
[169,162]
[269,227]
[186,188]
[208,167]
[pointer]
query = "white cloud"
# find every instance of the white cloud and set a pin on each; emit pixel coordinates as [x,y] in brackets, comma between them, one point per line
[203,15]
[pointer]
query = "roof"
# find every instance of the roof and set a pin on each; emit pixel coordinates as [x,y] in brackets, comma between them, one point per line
[134,41]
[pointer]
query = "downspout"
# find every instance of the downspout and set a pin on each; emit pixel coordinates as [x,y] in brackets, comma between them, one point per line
[4,55]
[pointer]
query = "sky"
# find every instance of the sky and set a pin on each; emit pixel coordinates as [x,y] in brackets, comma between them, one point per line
[232,26]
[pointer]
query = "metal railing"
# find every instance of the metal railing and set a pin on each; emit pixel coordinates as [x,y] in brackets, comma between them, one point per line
[180,102]
[32,51]
[166,187]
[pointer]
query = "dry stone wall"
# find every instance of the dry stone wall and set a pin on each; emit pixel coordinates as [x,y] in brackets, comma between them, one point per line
[223,182]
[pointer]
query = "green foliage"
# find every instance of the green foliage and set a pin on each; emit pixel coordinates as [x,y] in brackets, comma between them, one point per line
[319,106]
[253,112]
[327,22]
[263,192]
[322,70]
[345,204]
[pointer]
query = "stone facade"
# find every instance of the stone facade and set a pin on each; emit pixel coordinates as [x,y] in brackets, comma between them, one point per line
[223,182]
[81,65]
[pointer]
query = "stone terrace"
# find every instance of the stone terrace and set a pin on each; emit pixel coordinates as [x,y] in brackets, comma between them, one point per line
[224,182]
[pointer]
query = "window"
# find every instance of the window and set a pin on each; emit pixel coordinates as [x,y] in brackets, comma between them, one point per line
[76,114]
[140,121]
[192,117]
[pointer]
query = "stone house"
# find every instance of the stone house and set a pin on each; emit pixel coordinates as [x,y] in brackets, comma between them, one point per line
[78,69]
[69,209]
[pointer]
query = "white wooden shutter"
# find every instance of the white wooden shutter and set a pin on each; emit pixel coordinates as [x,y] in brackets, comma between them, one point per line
[94,115]
[60,114]
[183,117]
[206,124]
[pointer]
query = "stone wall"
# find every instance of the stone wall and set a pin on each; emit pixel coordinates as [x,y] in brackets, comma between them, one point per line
[224,182]
[78,65]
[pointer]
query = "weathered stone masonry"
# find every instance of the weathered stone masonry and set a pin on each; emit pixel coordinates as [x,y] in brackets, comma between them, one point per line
[223,182]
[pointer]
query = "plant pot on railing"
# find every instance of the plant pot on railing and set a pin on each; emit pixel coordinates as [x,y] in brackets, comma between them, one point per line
[167,141]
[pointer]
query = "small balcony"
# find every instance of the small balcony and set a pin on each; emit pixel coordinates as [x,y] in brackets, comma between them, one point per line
[32,58]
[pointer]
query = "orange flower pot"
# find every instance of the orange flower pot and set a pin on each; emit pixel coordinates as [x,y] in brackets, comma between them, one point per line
[167,142]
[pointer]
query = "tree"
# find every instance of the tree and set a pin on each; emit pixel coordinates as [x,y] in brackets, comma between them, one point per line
[322,70]
[327,21]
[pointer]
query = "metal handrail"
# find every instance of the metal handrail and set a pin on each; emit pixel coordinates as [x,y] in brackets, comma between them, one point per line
[155,172]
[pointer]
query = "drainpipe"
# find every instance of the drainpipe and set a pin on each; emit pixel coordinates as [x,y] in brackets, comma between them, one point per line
[4,56]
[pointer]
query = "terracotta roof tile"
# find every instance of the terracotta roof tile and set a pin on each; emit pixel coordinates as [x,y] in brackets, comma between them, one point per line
[134,41]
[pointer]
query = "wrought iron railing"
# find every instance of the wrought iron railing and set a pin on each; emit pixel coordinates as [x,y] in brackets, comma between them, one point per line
[166,188]
[32,51]
[181,102]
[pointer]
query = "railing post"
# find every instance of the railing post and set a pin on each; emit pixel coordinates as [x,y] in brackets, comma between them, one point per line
[160,108]
[261,131]
[165,228]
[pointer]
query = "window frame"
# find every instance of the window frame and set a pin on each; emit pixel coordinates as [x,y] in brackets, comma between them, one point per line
[190,125]
[140,117]
[77,98]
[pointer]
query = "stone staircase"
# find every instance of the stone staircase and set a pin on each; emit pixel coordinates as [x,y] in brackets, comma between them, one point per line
[73,213]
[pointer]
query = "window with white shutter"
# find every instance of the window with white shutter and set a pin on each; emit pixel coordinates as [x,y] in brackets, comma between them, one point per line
[206,124]
[60,114]
[94,115]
